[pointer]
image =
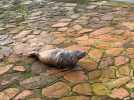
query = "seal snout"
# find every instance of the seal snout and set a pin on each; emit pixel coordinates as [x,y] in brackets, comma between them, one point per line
[80,54]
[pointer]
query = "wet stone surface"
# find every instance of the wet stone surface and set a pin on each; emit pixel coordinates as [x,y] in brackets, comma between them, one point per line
[105,30]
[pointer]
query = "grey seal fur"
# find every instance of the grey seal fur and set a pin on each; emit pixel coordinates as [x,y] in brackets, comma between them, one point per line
[59,58]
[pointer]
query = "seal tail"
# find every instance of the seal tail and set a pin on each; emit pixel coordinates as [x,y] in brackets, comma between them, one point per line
[34,54]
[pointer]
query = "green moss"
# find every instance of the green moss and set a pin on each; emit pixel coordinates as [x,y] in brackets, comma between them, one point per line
[21,9]
[82,1]
[100,89]
[29,65]
[26,74]
[38,92]
[15,85]
[130,90]
[119,4]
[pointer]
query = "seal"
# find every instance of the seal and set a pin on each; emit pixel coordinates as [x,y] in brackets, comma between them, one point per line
[59,58]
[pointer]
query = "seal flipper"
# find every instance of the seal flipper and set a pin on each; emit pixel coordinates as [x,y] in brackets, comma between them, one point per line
[34,54]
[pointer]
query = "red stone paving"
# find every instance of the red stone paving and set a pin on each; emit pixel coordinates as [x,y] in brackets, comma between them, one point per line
[103,30]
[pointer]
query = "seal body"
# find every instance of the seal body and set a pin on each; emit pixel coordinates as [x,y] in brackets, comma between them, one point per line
[60,58]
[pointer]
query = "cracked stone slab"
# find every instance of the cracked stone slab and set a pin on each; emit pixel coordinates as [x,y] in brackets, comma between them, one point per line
[37,81]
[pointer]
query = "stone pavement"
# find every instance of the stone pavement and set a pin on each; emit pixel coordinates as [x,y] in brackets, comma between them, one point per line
[104,30]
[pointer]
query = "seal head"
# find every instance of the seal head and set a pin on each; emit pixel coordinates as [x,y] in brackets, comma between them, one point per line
[80,54]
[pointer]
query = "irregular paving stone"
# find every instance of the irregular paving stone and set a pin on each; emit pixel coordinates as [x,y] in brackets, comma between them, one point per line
[91,6]
[38,67]
[77,27]
[70,4]
[28,38]
[91,41]
[106,62]
[83,41]
[95,54]
[23,34]
[128,43]
[23,94]
[100,89]
[75,98]
[132,95]
[130,85]
[59,40]
[17,29]
[21,48]
[37,81]
[36,13]
[81,38]
[101,31]
[118,82]
[130,51]
[34,43]
[83,88]
[94,74]
[102,45]
[10,92]
[88,64]
[75,76]
[9,79]
[120,60]
[45,34]
[131,56]
[124,70]
[47,47]
[118,44]
[5,69]
[2,28]
[57,25]
[75,16]
[6,41]
[107,17]
[114,51]
[57,72]
[76,47]
[13,58]
[119,93]
[5,51]
[3,37]
[130,25]
[108,73]
[72,33]
[101,98]
[85,31]
[62,29]
[93,21]
[65,20]
[19,68]
[106,38]
[56,90]
[3,96]
[36,32]
[118,32]
[11,25]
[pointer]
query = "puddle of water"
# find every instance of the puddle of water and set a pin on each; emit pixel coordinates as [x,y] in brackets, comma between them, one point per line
[130,1]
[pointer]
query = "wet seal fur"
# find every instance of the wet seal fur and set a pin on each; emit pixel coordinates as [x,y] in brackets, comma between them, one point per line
[59,58]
